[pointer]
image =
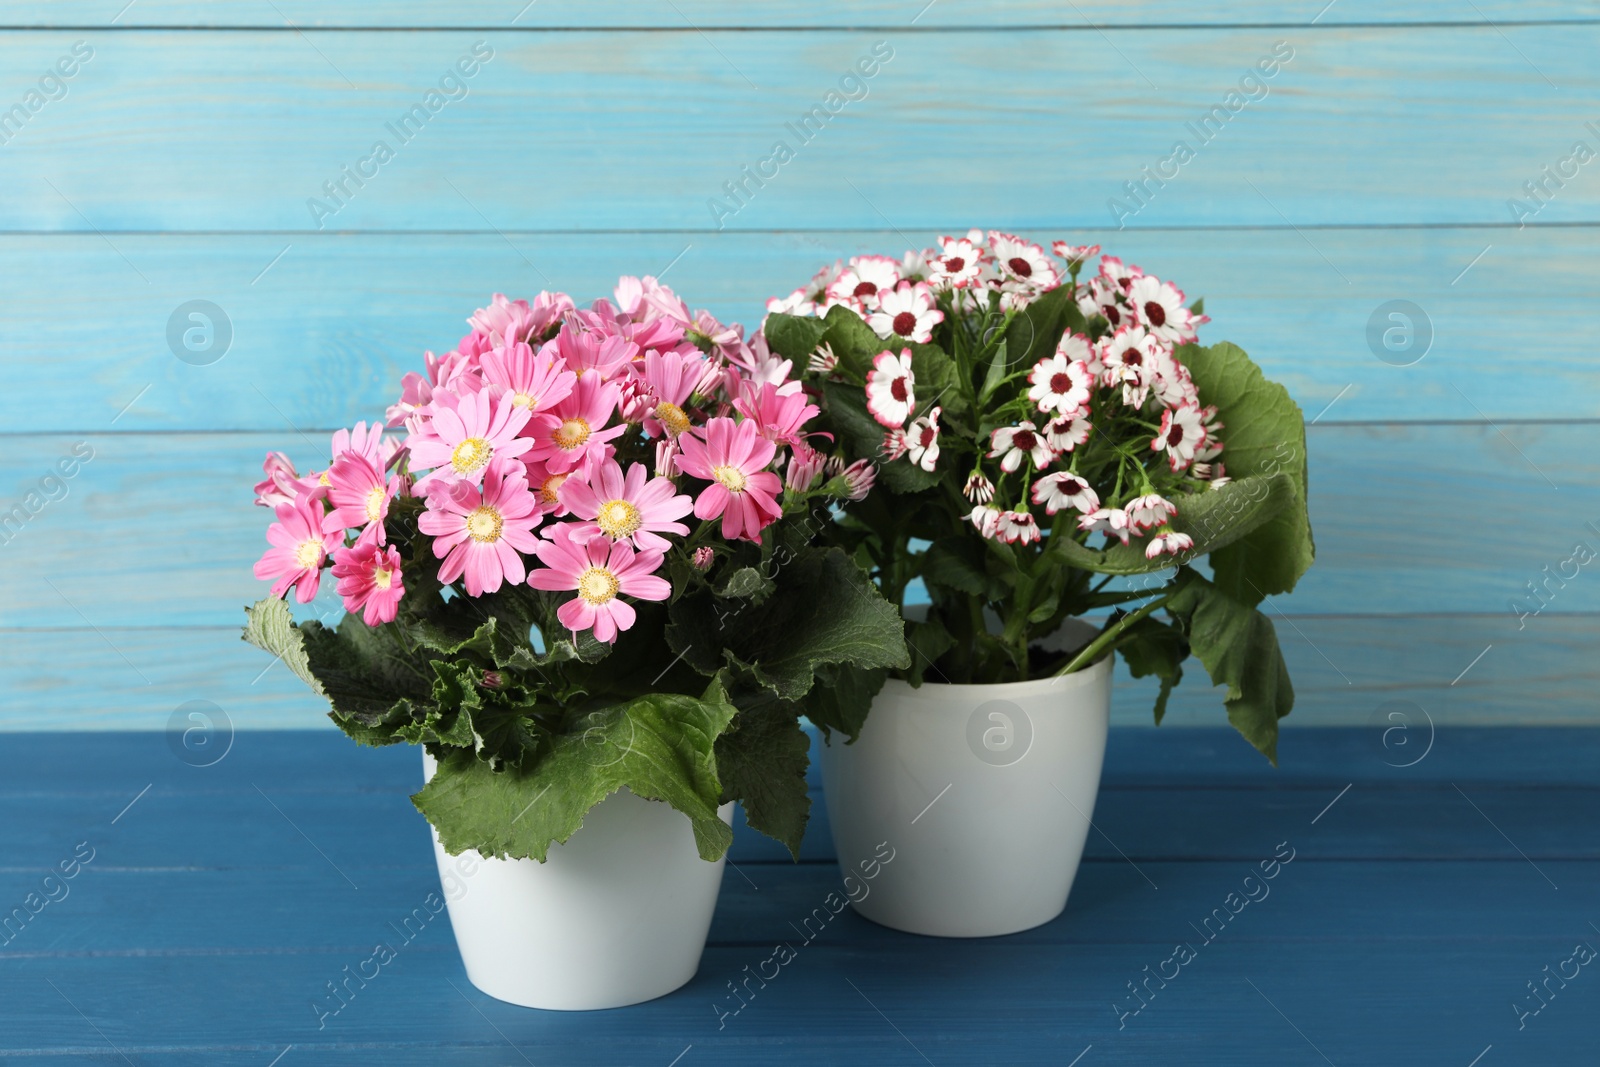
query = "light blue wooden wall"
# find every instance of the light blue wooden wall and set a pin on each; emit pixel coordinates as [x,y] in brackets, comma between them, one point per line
[178,163]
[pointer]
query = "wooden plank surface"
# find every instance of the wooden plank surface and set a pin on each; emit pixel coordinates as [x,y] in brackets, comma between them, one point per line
[323,326]
[218,130]
[706,14]
[201,934]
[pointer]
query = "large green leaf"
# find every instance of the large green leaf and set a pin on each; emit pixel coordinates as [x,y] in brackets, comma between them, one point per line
[270,627]
[762,760]
[1034,332]
[1153,647]
[661,747]
[1263,433]
[842,698]
[1239,648]
[794,337]
[823,611]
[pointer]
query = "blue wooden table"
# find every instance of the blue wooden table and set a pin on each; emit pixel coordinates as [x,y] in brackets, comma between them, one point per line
[1420,888]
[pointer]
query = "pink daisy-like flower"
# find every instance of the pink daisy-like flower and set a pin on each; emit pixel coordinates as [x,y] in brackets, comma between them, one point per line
[301,539]
[1068,432]
[986,519]
[779,412]
[859,478]
[1160,308]
[1060,385]
[979,490]
[1023,262]
[922,440]
[575,429]
[1018,527]
[862,279]
[891,392]
[480,534]
[464,433]
[958,264]
[602,572]
[805,466]
[733,457]
[1013,444]
[282,483]
[669,381]
[1182,433]
[516,320]
[535,382]
[1113,522]
[1170,543]
[1149,511]
[585,351]
[360,494]
[631,506]
[1063,490]
[906,311]
[703,557]
[369,580]
[367,441]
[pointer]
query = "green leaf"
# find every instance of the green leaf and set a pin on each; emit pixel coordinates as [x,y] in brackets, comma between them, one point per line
[842,698]
[1153,647]
[747,582]
[1264,434]
[762,759]
[854,342]
[661,747]
[1239,648]
[1036,330]
[824,611]
[270,627]
[958,563]
[928,640]
[794,337]
[1199,306]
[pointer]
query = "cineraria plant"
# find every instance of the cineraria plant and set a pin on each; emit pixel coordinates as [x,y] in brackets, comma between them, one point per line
[579,569]
[1049,448]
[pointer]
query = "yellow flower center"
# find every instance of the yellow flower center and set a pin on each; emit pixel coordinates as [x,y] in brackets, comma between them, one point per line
[618,519]
[548,490]
[732,478]
[597,585]
[308,553]
[382,578]
[322,479]
[484,523]
[672,417]
[375,498]
[524,400]
[571,434]
[471,455]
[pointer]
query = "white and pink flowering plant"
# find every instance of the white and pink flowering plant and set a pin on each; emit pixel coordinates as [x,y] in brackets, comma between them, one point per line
[1052,441]
[578,555]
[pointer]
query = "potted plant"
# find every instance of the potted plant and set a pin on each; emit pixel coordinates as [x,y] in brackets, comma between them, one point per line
[1048,449]
[578,582]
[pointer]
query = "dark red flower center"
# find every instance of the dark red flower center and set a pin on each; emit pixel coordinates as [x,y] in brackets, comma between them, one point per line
[864,289]
[897,389]
[1025,440]
[1113,316]
[1175,435]
[1071,486]
[927,436]
[1132,357]
[904,323]
[1021,266]
[1061,383]
[954,264]
[1154,313]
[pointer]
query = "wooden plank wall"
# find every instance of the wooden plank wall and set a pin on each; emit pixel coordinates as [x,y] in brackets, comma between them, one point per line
[1378,164]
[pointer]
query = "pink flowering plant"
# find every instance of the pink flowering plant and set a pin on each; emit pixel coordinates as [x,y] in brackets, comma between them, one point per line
[1052,441]
[578,555]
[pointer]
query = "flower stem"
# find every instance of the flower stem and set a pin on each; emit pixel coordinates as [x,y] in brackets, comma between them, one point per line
[1092,650]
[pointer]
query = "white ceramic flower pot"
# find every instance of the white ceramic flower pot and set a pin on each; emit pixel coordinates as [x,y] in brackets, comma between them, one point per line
[617,915]
[984,792]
